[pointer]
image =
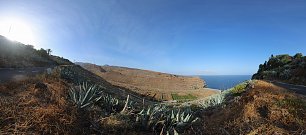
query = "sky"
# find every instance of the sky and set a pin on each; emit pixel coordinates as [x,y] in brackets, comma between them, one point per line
[187,37]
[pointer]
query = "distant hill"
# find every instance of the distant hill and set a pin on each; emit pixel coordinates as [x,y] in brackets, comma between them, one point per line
[16,55]
[285,68]
[161,86]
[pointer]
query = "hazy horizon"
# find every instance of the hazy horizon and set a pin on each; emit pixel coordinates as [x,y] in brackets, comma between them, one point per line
[185,37]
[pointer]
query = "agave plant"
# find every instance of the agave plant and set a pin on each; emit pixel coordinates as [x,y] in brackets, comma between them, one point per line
[85,95]
[170,121]
[178,121]
[150,117]
[111,104]
[213,100]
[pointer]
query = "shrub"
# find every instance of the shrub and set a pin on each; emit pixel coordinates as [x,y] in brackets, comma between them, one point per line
[218,99]
[238,89]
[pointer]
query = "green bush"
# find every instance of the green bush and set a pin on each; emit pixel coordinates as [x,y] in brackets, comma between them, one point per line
[238,89]
[219,99]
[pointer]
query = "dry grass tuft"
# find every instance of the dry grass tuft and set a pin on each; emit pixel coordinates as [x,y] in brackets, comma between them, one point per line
[27,109]
[266,109]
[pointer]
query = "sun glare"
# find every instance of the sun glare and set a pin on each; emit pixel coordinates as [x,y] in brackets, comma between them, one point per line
[17,30]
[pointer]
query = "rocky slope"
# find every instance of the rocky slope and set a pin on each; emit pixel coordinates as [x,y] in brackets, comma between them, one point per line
[161,86]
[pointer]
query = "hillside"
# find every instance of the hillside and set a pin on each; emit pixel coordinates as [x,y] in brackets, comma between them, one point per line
[15,55]
[284,68]
[263,108]
[42,105]
[75,74]
[158,85]
[18,55]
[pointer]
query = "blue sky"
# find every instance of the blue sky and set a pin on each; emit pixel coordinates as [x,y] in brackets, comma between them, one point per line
[189,37]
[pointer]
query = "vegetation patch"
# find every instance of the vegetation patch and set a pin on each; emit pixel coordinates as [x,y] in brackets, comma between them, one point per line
[183,97]
[266,108]
[285,68]
[295,106]
[238,89]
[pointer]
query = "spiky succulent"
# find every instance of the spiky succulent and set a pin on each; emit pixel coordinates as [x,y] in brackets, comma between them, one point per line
[85,95]
[149,117]
[170,121]
[111,104]
[178,121]
[212,100]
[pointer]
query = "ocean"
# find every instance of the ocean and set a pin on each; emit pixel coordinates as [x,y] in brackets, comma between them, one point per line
[223,82]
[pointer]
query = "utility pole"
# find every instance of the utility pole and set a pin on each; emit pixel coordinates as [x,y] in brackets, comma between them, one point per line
[10,29]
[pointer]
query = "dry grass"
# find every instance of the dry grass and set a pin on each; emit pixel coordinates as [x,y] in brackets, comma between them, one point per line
[29,110]
[40,106]
[259,111]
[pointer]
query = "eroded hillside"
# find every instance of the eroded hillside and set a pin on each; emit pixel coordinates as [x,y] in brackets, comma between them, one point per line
[161,86]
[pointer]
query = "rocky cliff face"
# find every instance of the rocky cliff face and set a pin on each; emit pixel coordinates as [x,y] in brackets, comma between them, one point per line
[284,68]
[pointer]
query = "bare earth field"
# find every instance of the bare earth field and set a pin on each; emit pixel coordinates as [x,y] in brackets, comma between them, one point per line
[160,86]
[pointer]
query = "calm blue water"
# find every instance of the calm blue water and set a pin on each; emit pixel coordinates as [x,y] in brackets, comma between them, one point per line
[224,82]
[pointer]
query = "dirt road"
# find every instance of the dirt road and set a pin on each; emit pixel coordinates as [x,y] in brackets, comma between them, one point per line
[17,74]
[300,89]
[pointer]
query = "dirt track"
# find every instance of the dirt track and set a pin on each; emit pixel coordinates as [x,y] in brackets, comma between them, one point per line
[17,74]
[300,89]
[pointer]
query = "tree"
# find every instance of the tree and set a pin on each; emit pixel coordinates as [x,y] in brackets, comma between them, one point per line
[49,51]
[298,56]
[42,52]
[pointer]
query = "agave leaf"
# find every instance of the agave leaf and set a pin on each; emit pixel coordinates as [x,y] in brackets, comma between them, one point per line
[172,115]
[187,118]
[183,115]
[178,115]
[141,112]
[195,120]
[85,105]
[148,111]
[87,97]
